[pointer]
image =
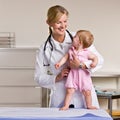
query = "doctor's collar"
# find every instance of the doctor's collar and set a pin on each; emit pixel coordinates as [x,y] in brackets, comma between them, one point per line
[67,40]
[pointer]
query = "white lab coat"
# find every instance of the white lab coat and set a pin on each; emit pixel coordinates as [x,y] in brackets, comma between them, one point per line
[48,80]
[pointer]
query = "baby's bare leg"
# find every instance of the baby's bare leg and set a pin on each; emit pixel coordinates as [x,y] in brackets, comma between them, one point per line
[68,97]
[88,99]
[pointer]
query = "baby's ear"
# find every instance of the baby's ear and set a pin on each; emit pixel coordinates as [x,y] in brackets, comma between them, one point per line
[80,41]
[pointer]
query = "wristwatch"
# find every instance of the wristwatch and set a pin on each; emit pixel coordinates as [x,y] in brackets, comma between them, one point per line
[81,66]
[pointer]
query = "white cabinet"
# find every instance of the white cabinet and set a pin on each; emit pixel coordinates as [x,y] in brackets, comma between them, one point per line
[17,85]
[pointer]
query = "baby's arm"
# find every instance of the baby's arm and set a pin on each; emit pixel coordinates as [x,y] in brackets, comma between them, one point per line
[62,61]
[94,59]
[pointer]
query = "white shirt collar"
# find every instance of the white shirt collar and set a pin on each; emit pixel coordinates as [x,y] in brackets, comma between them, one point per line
[58,45]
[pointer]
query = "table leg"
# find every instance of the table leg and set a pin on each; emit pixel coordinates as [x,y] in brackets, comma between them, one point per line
[110,105]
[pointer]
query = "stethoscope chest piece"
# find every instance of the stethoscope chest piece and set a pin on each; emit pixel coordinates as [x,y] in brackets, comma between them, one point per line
[49,72]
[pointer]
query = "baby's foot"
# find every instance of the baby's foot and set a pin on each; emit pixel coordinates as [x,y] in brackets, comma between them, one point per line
[64,108]
[92,107]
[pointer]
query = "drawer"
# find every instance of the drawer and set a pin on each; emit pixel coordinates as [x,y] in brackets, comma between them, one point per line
[21,77]
[17,57]
[18,95]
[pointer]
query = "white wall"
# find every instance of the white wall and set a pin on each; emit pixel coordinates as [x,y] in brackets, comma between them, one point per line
[27,19]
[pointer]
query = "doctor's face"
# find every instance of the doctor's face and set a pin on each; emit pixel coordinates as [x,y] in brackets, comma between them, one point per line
[59,27]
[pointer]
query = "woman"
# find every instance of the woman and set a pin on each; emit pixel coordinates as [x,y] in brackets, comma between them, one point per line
[57,44]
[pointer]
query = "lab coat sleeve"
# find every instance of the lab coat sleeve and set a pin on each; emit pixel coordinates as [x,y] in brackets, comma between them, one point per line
[41,76]
[100,60]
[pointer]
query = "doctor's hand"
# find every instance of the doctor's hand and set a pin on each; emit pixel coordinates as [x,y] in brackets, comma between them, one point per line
[75,63]
[62,74]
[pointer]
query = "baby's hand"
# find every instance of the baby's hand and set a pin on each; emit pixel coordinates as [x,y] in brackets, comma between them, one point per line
[57,66]
[93,65]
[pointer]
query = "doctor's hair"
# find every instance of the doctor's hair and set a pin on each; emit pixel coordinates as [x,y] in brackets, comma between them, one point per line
[54,14]
[85,37]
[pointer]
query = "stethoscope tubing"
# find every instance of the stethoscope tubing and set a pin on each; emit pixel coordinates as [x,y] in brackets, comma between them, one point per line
[49,41]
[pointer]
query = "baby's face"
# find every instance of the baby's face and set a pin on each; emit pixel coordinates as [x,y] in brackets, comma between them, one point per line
[76,41]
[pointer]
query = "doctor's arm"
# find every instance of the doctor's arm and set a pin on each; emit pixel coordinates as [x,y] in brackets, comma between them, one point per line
[64,73]
[40,75]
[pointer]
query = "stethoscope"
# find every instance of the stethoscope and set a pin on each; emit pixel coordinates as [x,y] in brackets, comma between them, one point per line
[51,45]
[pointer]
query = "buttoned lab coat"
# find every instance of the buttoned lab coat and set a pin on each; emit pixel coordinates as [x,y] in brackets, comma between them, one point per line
[45,75]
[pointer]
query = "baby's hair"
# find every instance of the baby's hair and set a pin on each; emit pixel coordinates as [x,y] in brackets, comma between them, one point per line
[85,37]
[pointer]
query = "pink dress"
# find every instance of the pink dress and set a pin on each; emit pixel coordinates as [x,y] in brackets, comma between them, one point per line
[79,78]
